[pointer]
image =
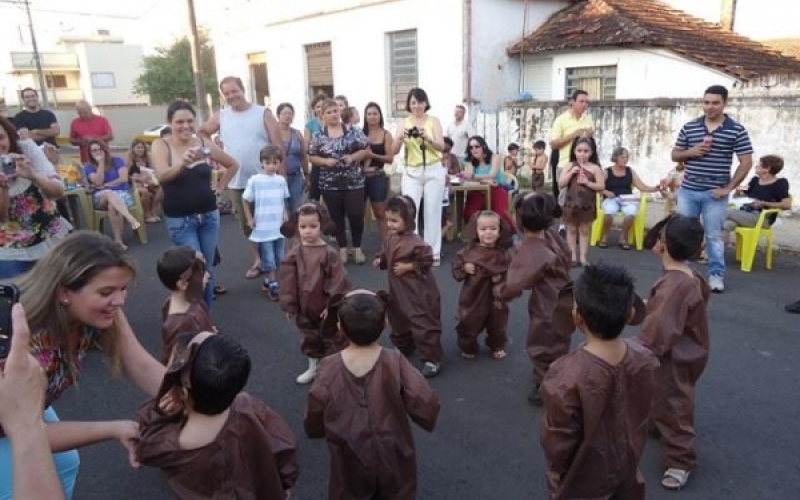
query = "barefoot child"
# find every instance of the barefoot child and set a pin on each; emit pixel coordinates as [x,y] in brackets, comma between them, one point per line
[311,274]
[582,179]
[480,265]
[183,271]
[676,330]
[597,398]
[360,403]
[415,309]
[539,165]
[226,443]
[541,265]
[264,208]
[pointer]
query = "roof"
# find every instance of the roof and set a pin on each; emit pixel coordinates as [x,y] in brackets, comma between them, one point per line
[786,46]
[588,24]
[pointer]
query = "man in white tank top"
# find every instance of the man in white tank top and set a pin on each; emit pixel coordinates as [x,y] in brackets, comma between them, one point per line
[244,129]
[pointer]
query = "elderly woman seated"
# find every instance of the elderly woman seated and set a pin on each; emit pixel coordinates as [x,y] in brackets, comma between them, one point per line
[765,190]
[620,181]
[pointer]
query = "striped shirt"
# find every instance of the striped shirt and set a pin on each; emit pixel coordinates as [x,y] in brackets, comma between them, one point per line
[712,170]
[267,193]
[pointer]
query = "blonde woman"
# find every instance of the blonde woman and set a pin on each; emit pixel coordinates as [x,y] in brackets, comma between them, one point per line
[73,299]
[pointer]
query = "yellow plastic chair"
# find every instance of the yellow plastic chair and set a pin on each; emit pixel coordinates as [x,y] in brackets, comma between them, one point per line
[747,239]
[96,217]
[636,233]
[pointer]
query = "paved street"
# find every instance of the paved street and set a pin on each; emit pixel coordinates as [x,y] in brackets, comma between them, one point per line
[486,444]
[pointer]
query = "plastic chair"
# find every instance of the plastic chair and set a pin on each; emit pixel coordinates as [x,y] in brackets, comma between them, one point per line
[96,217]
[636,233]
[747,239]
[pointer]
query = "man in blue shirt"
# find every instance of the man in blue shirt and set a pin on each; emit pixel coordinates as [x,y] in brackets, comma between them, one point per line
[706,146]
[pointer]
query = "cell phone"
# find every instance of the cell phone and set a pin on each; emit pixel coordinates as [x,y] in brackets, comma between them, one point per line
[9,295]
[9,166]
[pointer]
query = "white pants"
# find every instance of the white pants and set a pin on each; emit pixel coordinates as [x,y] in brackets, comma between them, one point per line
[427,183]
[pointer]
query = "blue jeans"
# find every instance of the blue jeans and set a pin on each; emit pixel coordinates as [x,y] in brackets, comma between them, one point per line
[271,254]
[701,203]
[67,464]
[13,268]
[200,232]
[296,186]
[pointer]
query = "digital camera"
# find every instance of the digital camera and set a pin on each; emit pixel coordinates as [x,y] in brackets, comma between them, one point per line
[8,165]
[413,132]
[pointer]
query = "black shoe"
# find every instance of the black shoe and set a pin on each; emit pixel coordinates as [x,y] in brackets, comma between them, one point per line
[793,308]
[535,397]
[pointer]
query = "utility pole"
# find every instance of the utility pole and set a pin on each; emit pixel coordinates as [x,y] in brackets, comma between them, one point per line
[36,57]
[197,66]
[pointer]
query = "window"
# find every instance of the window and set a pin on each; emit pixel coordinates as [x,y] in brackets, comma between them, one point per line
[103,81]
[56,81]
[599,81]
[403,71]
[319,66]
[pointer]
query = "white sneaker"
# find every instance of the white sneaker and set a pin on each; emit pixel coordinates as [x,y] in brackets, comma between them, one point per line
[716,283]
[309,375]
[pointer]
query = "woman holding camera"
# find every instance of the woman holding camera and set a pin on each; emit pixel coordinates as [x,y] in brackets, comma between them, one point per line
[338,149]
[423,175]
[29,219]
[182,164]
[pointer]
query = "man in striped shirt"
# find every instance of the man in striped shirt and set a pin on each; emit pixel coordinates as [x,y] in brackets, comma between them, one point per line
[706,146]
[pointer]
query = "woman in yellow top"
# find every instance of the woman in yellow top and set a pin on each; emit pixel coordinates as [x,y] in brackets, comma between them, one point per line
[423,175]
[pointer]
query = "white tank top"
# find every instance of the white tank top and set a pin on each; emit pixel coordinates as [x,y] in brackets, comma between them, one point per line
[243,136]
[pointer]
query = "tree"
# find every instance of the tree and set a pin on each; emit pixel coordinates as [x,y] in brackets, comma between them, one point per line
[168,74]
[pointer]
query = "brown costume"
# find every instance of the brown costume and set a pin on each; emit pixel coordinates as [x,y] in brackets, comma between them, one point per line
[365,422]
[676,330]
[594,425]
[580,204]
[414,309]
[477,309]
[253,457]
[541,265]
[196,319]
[309,277]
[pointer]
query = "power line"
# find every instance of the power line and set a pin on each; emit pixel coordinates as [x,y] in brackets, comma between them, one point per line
[18,4]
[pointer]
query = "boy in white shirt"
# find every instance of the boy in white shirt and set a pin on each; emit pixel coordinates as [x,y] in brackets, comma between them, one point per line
[265,210]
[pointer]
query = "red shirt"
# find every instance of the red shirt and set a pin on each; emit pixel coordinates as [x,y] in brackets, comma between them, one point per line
[96,126]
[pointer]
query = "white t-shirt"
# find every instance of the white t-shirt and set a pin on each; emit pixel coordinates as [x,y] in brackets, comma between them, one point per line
[268,194]
[460,134]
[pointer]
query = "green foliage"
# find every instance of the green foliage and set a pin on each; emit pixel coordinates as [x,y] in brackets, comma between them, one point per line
[168,74]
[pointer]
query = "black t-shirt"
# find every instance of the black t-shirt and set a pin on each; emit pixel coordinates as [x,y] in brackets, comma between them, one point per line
[777,191]
[38,120]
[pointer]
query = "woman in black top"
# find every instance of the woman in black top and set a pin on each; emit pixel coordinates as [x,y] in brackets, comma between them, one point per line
[182,166]
[766,190]
[376,183]
[620,181]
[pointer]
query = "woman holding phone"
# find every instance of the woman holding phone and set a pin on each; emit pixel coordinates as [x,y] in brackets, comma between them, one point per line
[182,164]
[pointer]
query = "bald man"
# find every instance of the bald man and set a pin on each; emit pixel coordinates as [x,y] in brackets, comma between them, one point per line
[88,127]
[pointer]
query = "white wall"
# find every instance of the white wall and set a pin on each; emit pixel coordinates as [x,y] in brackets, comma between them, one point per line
[641,74]
[496,25]
[358,43]
[123,61]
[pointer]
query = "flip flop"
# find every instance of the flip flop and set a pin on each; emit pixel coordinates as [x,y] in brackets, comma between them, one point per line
[602,244]
[624,246]
[675,479]
[253,273]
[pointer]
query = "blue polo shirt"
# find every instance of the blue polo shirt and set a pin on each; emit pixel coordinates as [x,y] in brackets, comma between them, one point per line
[712,170]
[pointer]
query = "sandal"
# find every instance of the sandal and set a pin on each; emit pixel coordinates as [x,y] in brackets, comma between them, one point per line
[675,479]
[253,273]
[602,244]
[220,290]
[624,246]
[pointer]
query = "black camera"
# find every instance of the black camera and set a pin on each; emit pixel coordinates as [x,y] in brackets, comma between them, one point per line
[8,165]
[413,132]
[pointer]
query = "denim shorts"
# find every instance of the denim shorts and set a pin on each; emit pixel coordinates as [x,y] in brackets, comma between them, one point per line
[376,187]
[125,195]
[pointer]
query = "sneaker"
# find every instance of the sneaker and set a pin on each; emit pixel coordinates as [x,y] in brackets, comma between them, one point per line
[430,369]
[344,255]
[358,257]
[793,308]
[273,291]
[716,283]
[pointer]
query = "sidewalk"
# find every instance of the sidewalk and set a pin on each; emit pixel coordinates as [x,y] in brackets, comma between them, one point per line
[786,229]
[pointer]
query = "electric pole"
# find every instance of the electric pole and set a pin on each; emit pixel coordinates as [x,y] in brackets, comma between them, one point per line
[36,57]
[197,64]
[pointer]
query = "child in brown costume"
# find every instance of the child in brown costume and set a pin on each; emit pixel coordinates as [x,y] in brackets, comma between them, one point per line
[415,305]
[360,403]
[226,444]
[582,179]
[183,271]
[480,265]
[597,399]
[676,330]
[310,274]
[541,264]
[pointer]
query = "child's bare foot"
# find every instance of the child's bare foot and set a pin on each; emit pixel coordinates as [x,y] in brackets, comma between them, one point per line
[499,354]
[467,356]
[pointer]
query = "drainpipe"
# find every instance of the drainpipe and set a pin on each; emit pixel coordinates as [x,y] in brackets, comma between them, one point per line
[522,49]
[467,63]
[727,15]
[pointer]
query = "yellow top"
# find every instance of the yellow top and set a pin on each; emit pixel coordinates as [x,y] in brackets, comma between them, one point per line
[413,151]
[69,173]
[566,124]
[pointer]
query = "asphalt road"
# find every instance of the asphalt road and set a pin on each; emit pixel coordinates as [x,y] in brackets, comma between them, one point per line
[486,443]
